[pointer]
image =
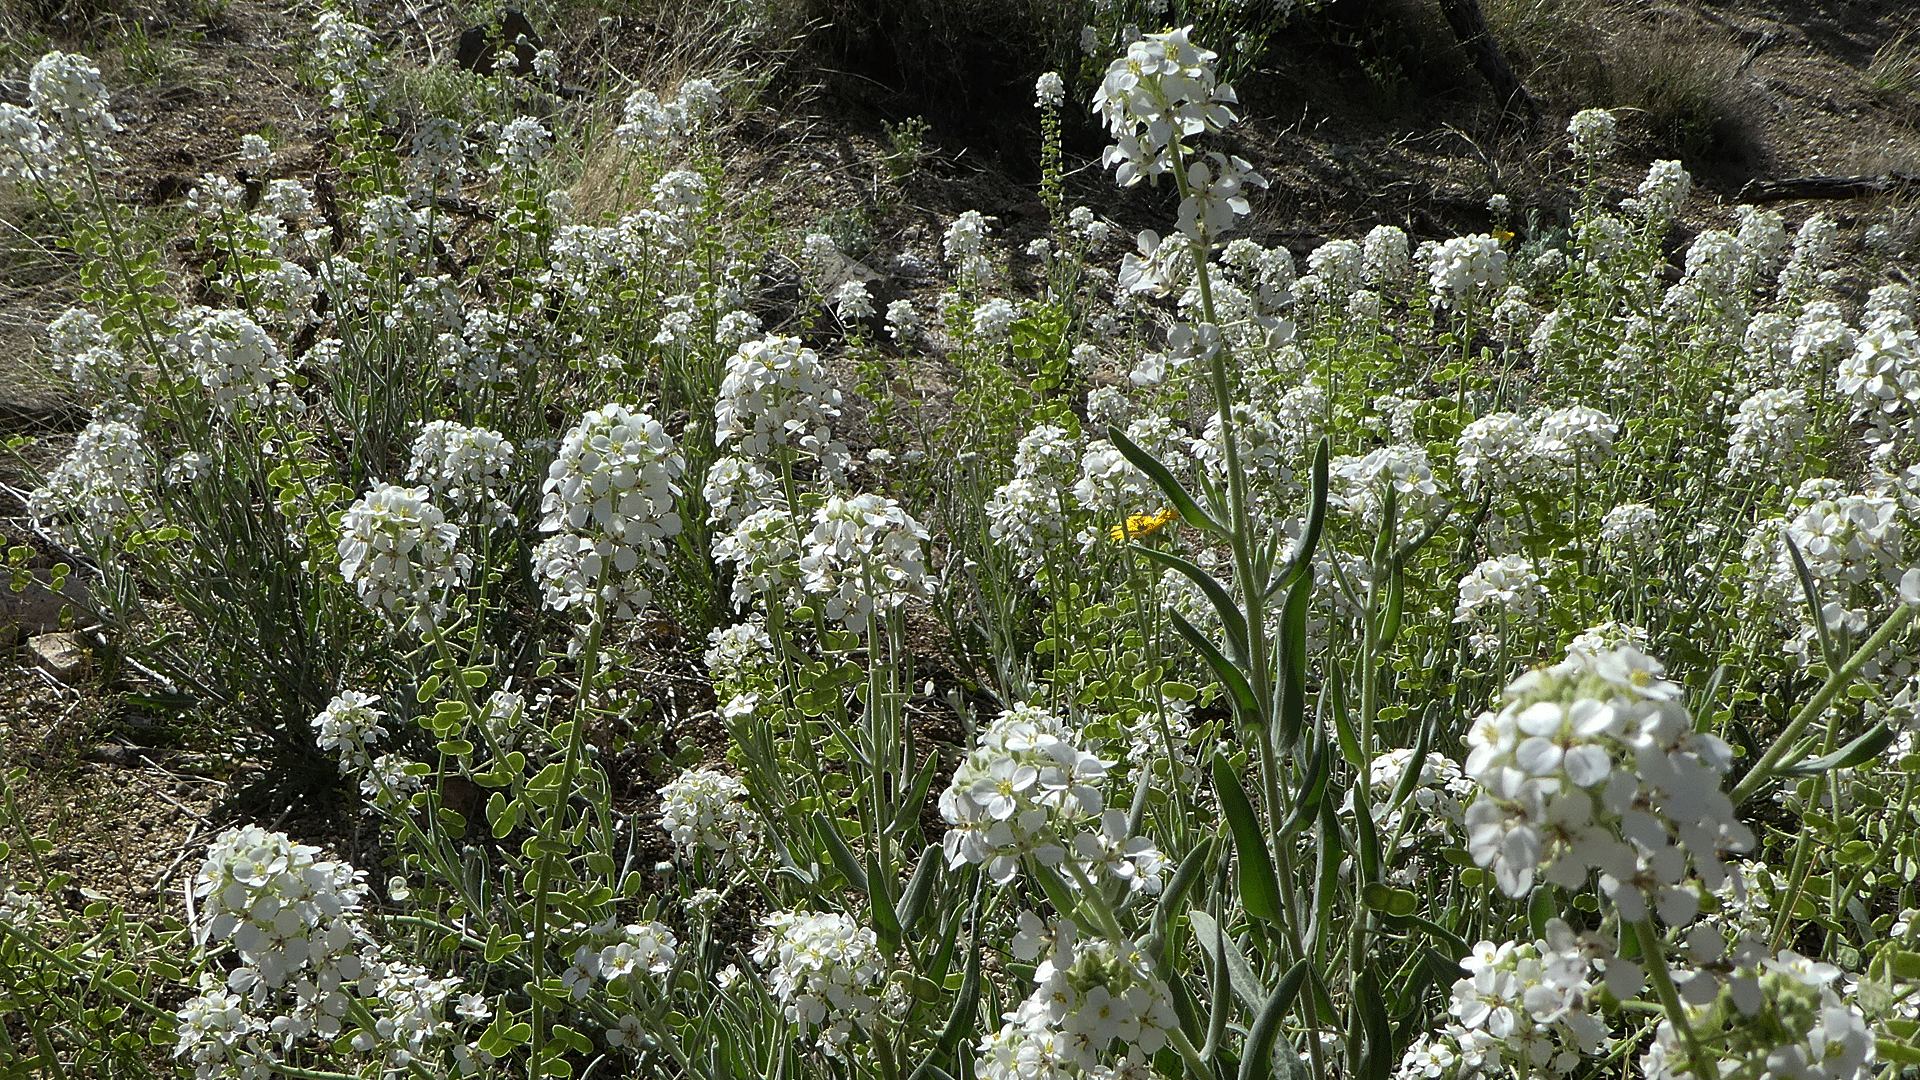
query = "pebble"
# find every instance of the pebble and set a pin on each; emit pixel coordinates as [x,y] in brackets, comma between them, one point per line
[60,655]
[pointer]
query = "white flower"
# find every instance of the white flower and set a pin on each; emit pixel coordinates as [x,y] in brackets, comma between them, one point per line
[777,393]
[1162,91]
[863,556]
[1662,193]
[101,490]
[1050,91]
[469,467]
[706,810]
[399,553]
[851,302]
[1467,268]
[1502,599]
[349,725]
[609,499]
[1592,134]
[992,319]
[233,358]
[824,970]
[1027,789]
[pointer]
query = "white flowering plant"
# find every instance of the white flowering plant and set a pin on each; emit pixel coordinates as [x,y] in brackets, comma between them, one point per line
[1409,657]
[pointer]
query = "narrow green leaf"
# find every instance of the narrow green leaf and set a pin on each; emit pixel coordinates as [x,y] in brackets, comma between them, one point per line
[1410,776]
[1232,619]
[1313,787]
[920,887]
[838,851]
[1867,746]
[1174,893]
[909,812]
[1189,511]
[1256,1060]
[1246,706]
[1396,597]
[1812,595]
[1367,839]
[1302,561]
[1333,700]
[1259,886]
[1293,660]
[886,923]
[1211,936]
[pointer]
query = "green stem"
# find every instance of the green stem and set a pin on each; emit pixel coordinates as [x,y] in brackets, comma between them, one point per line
[1653,954]
[1763,770]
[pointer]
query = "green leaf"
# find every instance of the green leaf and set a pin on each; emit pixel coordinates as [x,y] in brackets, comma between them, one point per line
[1232,619]
[1302,561]
[1313,787]
[1183,503]
[838,851]
[886,923]
[1861,750]
[1246,706]
[1387,900]
[1367,838]
[1293,660]
[926,874]
[1259,886]
[1256,1060]
[1211,937]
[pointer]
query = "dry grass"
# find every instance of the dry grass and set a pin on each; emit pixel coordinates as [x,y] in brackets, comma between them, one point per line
[1674,80]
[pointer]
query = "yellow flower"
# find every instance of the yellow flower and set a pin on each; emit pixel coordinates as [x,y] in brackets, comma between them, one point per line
[1139,525]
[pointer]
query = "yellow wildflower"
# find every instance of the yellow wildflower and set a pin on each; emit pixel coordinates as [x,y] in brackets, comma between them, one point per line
[1139,525]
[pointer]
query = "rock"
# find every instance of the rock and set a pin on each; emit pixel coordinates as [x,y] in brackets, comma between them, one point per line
[36,609]
[60,655]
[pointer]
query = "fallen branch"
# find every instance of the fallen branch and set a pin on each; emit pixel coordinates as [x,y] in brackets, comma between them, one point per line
[1828,187]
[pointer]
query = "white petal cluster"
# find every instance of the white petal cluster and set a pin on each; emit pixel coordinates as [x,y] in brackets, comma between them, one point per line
[234,359]
[470,467]
[1524,1004]
[965,247]
[648,124]
[1631,525]
[778,393]
[1161,91]
[1502,599]
[1359,484]
[1029,513]
[1574,439]
[349,726]
[763,549]
[1787,1021]
[100,490]
[1591,133]
[1029,789]
[1094,1013]
[284,911]
[1593,764]
[1465,269]
[1882,376]
[609,501]
[1769,433]
[737,652]
[63,126]
[737,487]
[1386,260]
[993,318]
[706,810]
[863,556]
[1339,264]
[1049,91]
[400,555]
[1662,193]
[1853,546]
[825,970]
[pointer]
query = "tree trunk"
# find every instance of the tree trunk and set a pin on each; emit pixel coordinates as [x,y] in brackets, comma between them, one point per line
[1470,28]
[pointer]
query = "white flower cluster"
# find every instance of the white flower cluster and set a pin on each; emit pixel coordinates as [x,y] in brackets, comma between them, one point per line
[1853,549]
[1769,434]
[1505,452]
[1788,1022]
[825,970]
[1593,764]
[1592,134]
[1503,602]
[1815,254]
[1631,526]
[863,556]
[1359,484]
[282,909]
[1162,92]
[1029,789]
[609,501]
[99,491]
[1465,269]
[738,652]
[965,248]
[233,358]
[1522,1005]
[470,467]
[778,393]
[350,726]
[342,56]
[399,553]
[1028,514]
[1439,794]
[64,123]
[704,810]
[1882,376]
[648,123]
[1090,1002]
[1662,193]
[1049,91]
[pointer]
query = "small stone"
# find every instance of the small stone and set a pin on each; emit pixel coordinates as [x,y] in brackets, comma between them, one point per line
[60,655]
[37,609]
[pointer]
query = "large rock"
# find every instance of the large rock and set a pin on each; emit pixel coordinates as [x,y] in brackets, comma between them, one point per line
[36,609]
[62,656]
